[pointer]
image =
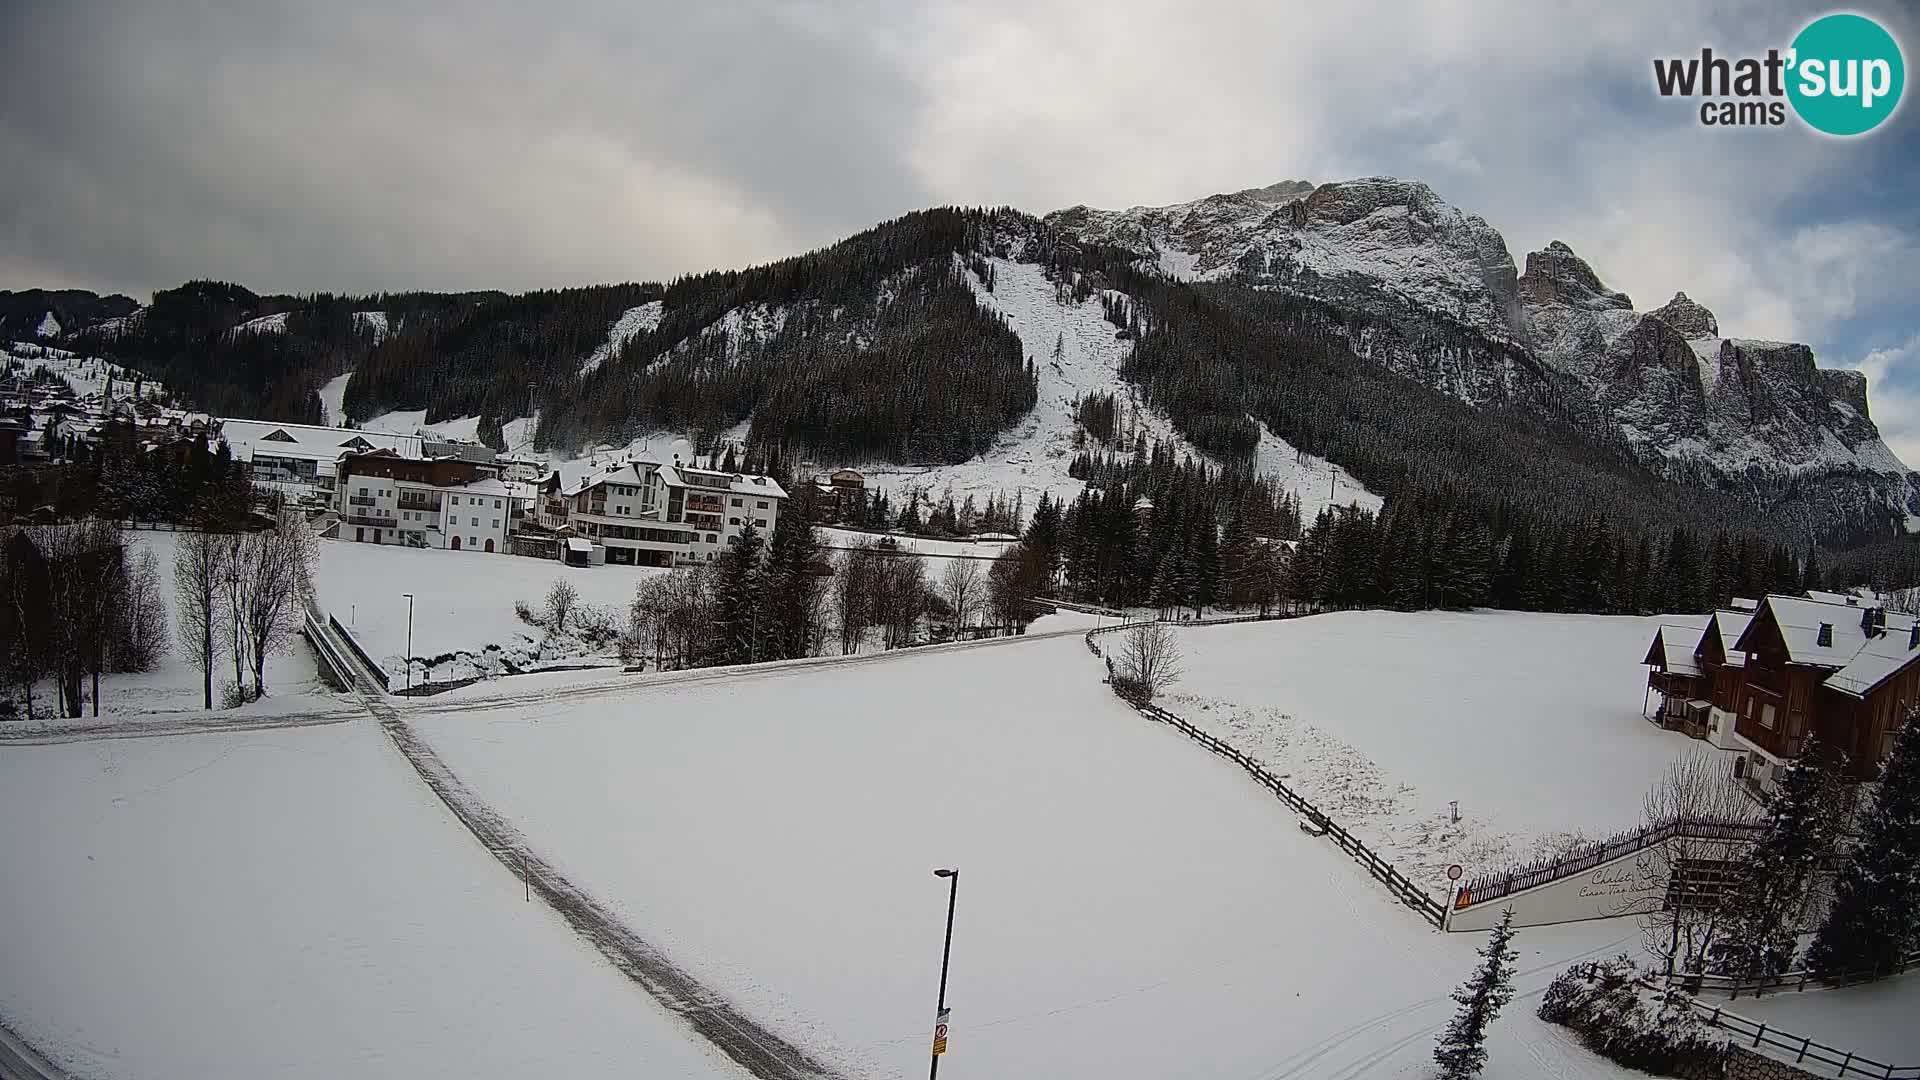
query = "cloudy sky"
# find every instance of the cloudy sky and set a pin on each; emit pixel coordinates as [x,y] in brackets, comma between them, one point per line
[365,145]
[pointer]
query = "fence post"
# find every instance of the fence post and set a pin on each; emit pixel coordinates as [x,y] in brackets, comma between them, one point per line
[1758,1034]
[1804,1043]
[1715,1018]
[1844,1065]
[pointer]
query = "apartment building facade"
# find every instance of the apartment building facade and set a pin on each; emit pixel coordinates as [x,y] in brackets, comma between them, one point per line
[458,505]
[659,514]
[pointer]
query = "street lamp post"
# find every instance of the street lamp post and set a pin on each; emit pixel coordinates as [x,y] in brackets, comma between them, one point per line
[946,952]
[409,656]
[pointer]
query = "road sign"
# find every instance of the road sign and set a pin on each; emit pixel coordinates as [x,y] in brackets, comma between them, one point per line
[1454,872]
[940,1032]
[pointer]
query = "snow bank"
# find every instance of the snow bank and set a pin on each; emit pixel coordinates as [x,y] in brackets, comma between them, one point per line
[1130,905]
[291,905]
[1532,722]
[1874,1021]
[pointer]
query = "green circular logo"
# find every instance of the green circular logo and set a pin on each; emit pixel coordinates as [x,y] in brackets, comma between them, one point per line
[1846,74]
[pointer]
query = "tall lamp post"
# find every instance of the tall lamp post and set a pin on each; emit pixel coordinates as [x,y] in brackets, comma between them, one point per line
[409,656]
[946,952]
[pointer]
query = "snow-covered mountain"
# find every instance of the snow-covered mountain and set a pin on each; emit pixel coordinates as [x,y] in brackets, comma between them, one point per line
[1736,413]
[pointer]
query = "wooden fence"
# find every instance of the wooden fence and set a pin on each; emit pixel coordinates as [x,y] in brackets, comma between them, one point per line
[1494,885]
[1382,871]
[1805,1051]
[1797,980]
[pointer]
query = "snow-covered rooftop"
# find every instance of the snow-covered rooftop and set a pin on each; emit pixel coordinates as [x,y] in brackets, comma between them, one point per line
[307,441]
[1800,620]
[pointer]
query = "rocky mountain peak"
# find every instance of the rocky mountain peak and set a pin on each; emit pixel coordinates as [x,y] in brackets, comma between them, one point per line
[1279,194]
[1555,275]
[1689,318]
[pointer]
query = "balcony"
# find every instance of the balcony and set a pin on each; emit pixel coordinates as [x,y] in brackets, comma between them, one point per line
[371,519]
[432,506]
[362,500]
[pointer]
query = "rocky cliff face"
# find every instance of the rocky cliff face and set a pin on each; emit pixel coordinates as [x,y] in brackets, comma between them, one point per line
[1747,416]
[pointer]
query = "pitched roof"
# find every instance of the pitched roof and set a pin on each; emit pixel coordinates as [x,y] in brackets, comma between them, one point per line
[1880,659]
[1673,647]
[308,441]
[1800,620]
[1730,625]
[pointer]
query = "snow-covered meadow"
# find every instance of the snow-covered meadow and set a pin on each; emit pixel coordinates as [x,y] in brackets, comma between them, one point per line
[463,601]
[291,904]
[1130,906]
[1531,722]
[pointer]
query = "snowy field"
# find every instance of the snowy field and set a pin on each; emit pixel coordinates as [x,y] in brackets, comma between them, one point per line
[1130,905]
[292,905]
[174,687]
[463,600]
[1532,722]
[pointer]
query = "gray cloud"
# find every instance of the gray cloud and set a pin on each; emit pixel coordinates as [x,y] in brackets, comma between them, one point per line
[365,145]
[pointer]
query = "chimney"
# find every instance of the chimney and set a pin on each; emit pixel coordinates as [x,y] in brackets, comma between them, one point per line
[1873,621]
[1825,638]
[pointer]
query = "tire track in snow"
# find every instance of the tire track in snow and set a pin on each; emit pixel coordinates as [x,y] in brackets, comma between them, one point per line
[755,1048]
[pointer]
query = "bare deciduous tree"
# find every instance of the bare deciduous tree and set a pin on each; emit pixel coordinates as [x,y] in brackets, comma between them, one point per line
[197,572]
[277,565]
[1683,926]
[1150,657]
[856,580]
[144,613]
[960,585]
[562,598]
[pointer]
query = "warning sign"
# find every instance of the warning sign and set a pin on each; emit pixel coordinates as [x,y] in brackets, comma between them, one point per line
[940,1032]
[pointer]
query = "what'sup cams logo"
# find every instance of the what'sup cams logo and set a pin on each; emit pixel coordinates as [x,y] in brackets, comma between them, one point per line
[1842,75]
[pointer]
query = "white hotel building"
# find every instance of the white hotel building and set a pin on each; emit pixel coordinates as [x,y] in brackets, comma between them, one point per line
[652,514]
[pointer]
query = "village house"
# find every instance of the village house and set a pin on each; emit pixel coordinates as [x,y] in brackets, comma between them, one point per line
[1840,668]
[654,514]
[447,502]
[298,459]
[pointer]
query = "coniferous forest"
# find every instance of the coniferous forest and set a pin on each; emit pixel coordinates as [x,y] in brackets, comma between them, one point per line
[876,349]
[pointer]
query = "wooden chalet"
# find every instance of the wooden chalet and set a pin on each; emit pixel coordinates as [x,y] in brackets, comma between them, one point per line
[1761,682]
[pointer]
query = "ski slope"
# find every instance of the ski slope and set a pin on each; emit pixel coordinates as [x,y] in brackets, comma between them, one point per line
[1130,906]
[1530,722]
[1077,355]
[333,396]
[290,905]
[632,323]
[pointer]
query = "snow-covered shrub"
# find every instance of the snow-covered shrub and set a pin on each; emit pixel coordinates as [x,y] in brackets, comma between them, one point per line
[597,625]
[1625,1022]
[525,611]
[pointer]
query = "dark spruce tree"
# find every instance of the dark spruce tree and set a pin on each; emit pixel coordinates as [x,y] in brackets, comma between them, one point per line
[737,589]
[1462,1050]
[1874,920]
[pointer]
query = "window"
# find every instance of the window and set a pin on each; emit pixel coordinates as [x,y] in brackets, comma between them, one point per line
[1766,717]
[496,504]
[733,521]
[759,523]
[363,491]
[712,539]
[496,523]
[761,505]
[476,523]
[456,499]
[735,502]
[733,539]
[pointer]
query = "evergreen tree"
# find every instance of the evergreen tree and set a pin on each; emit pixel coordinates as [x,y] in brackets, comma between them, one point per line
[1462,1051]
[1875,916]
[737,607]
[790,589]
[1810,578]
[1763,908]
